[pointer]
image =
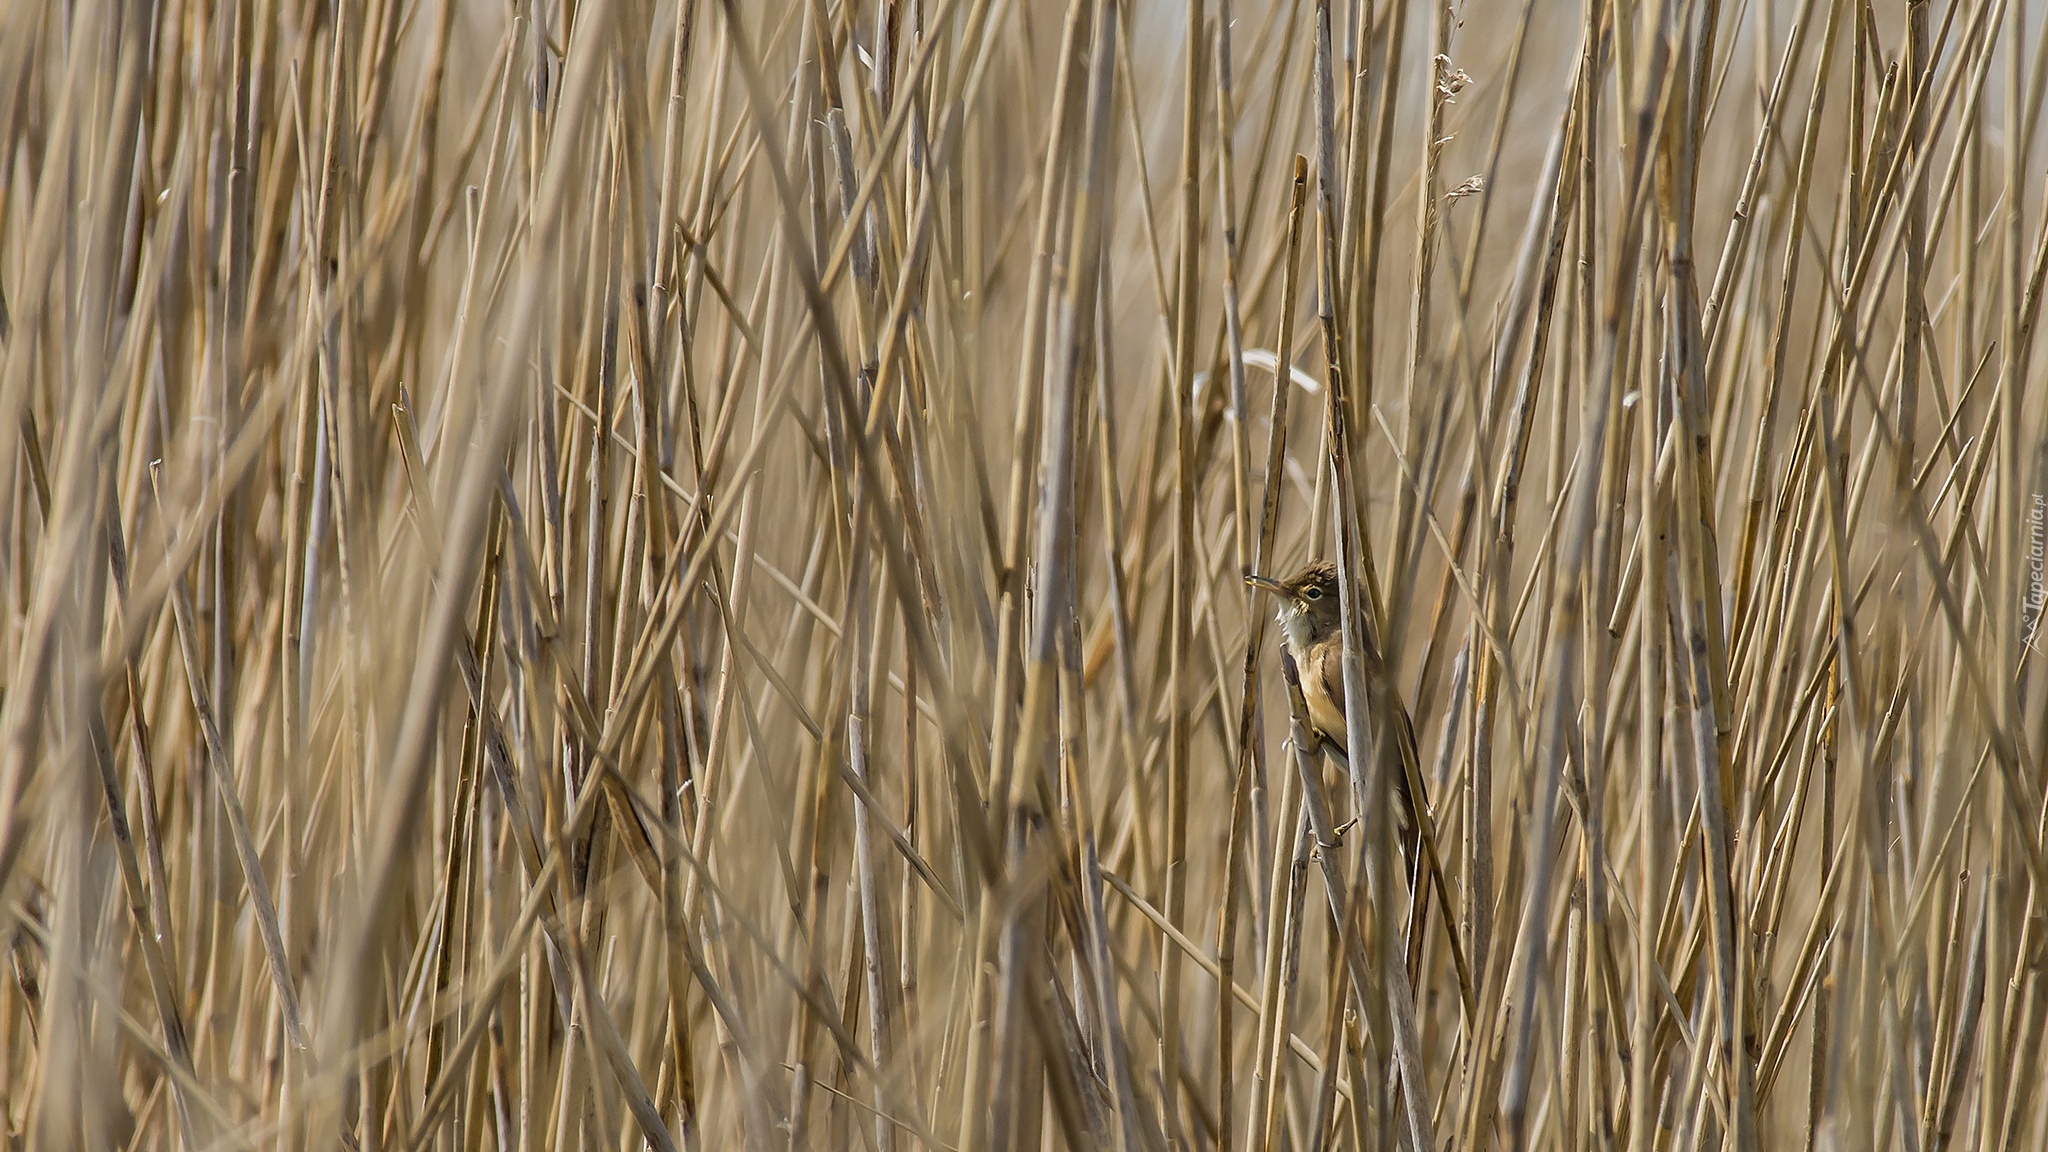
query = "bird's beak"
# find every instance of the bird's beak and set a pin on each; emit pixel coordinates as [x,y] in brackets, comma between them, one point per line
[1267,583]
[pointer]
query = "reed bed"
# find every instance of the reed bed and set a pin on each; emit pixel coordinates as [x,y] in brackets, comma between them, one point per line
[669,573]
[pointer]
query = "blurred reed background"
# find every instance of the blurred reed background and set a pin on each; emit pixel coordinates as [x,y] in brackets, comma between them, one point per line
[668,573]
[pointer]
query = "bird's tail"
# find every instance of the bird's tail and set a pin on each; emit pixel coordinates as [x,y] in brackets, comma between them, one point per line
[1419,855]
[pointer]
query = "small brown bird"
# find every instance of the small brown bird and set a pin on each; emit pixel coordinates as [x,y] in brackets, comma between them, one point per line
[1311,620]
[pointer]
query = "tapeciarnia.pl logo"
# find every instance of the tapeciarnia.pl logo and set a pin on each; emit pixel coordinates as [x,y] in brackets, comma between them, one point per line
[2037,565]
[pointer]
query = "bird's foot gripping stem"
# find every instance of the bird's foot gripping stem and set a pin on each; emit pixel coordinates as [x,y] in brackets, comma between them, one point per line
[1336,840]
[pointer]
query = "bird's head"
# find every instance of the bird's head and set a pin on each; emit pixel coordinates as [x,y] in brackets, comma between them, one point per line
[1309,607]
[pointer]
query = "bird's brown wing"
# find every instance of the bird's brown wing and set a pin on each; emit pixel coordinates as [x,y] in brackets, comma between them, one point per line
[1322,688]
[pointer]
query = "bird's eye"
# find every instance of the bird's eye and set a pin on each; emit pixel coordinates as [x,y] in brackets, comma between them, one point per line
[1313,593]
